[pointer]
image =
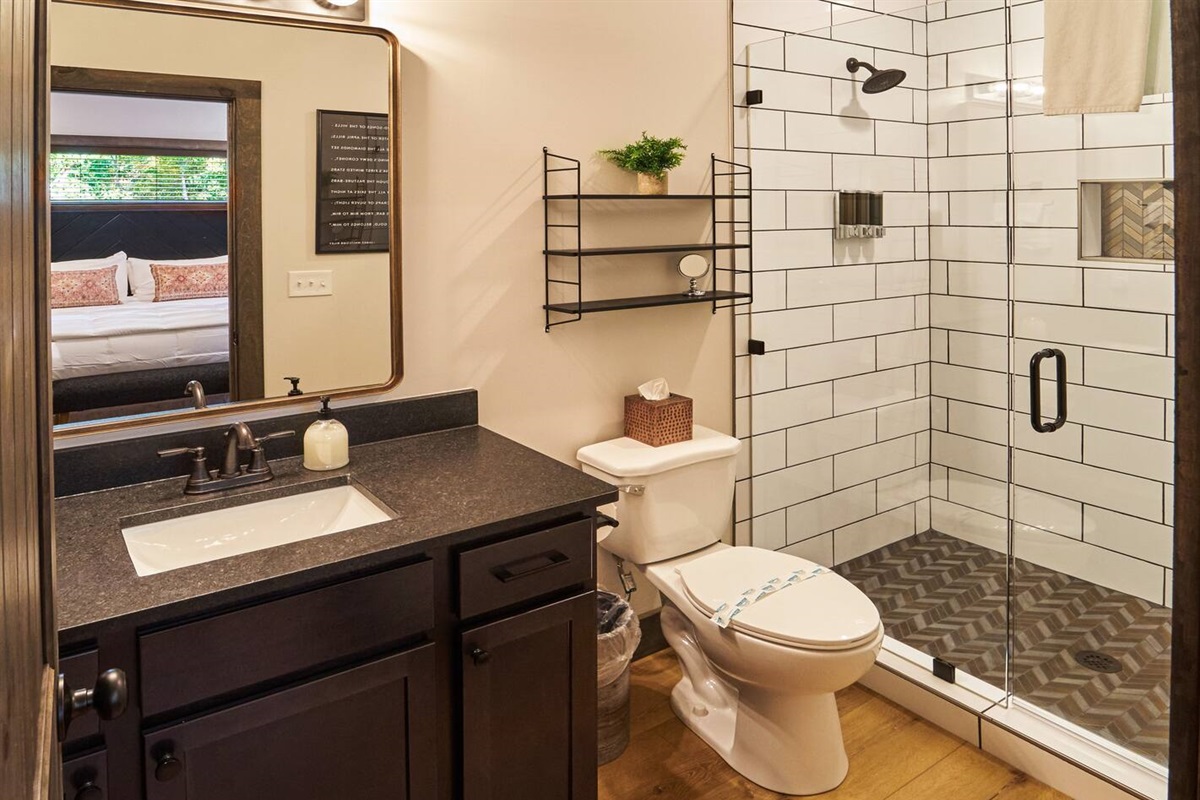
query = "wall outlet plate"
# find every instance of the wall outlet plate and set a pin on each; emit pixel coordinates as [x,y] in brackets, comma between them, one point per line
[310,283]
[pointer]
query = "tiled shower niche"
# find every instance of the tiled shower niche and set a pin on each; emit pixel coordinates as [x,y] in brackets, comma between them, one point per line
[1127,220]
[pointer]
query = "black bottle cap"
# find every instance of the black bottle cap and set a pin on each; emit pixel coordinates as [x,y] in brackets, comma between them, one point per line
[325,413]
[295,386]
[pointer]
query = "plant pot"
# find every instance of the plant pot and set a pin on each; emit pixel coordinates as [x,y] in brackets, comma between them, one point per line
[648,184]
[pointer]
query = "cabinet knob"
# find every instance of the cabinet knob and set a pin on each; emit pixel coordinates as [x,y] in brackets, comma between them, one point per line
[480,656]
[167,768]
[89,791]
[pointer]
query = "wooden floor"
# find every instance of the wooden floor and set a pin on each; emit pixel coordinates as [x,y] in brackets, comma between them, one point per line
[894,755]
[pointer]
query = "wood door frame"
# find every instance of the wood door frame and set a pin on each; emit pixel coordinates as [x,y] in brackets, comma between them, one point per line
[244,101]
[1184,780]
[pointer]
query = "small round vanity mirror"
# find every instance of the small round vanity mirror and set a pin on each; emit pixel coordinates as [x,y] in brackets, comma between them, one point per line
[693,267]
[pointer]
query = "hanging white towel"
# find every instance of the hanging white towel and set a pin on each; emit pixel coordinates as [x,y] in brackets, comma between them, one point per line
[1095,55]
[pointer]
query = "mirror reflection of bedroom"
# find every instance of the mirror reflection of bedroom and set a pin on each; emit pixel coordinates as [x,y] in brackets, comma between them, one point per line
[139,187]
[204,251]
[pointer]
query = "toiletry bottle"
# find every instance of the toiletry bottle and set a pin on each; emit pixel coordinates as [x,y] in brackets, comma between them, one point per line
[326,443]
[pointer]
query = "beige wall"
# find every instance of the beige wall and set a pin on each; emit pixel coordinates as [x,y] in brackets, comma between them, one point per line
[485,85]
[296,82]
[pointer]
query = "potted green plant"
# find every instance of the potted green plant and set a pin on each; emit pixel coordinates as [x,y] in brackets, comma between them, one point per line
[651,159]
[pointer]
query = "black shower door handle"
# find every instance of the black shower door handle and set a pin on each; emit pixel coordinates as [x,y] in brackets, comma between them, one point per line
[1035,390]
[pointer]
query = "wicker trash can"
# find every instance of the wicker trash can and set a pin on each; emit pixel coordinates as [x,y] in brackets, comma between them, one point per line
[617,637]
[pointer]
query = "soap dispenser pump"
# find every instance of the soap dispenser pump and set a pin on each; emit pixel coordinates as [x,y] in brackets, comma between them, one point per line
[326,443]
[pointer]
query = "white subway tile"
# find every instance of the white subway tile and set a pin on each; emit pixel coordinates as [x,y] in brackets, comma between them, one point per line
[900,278]
[788,91]
[871,534]
[794,328]
[978,350]
[970,455]
[755,47]
[1152,124]
[1048,512]
[903,488]
[1148,541]
[1046,208]
[901,419]
[939,345]
[805,210]
[971,385]
[770,530]
[1103,408]
[871,318]
[1066,442]
[829,437]
[1027,58]
[974,491]
[768,452]
[969,314]
[770,291]
[977,279]
[877,30]
[898,245]
[985,209]
[768,372]
[905,209]
[822,286]
[1092,485]
[873,390]
[902,349]
[964,102]
[1064,170]
[968,244]
[769,211]
[793,249]
[938,480]
[1035,132]
[938,140]
[825,362]
[874,461]
[976,527]
[815,56]
[900,139]
[1130,372]
[880,173]
[1114,330]
[818,549]
[822,133]
[1093,564]
[776,169]
[967,173]
[849,100]
[782,15]
[1137,455]
[957,8]
[766,129]
[1133,291]
[1046,246]
[983,65]
[806,520]
[978,137]
[786,487]
[1027,22]
[1062,285]
[977,422]
[965,33]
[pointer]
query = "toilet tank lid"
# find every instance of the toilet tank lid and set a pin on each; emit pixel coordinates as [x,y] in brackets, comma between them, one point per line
[627,458]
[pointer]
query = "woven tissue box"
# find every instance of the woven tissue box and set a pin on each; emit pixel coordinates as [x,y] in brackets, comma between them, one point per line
[658,422]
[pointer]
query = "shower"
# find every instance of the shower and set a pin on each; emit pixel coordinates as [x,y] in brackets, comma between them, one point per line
[881,79]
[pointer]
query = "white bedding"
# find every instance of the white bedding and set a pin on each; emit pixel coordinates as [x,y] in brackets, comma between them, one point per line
[137,335]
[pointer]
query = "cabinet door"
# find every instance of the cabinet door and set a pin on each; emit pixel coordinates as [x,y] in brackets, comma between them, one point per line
[529,705]
[362,733]
[86,777]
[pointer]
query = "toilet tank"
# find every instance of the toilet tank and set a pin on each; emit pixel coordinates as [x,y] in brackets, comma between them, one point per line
[680,497]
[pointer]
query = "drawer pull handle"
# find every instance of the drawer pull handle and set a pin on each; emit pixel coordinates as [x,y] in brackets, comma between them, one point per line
[480,656]
[89,791]
[167,768]
[525,567]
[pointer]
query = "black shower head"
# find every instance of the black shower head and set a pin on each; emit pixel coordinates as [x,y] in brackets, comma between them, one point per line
[881,79]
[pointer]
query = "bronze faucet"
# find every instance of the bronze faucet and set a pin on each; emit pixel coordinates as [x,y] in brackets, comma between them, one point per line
[238,439]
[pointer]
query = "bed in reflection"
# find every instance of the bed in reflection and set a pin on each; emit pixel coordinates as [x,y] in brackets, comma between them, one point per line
[139,308]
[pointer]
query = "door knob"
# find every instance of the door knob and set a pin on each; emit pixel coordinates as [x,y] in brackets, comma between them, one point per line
[167,768]
[480,656]
[108,698]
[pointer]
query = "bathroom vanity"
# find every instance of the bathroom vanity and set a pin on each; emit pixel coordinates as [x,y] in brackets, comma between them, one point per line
[446,652]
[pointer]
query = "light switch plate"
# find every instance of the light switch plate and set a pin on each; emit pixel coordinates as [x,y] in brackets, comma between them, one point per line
[310,283]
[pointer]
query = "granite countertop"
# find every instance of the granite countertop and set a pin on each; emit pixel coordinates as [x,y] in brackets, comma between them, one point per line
[441,485]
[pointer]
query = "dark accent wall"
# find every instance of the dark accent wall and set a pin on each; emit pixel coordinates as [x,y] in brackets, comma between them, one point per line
[119,463]
[93,232]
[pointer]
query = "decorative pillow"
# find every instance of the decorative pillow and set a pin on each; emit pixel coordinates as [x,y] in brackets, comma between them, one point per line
[84,287]
[121,261]
[141,280]
[175,282]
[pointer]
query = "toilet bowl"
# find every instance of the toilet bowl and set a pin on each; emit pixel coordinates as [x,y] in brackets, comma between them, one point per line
[757,685]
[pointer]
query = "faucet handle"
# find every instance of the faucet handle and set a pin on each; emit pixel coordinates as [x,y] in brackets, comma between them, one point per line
[276,435]
[199,463]
[258,459]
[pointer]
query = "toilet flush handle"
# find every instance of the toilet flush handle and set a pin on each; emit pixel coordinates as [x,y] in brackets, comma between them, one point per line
[636,489]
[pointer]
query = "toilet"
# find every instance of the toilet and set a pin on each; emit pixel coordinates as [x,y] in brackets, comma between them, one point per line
[760,689]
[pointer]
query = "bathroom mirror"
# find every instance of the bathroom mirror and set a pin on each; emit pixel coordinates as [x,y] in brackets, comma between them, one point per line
[224,220]
[693,266]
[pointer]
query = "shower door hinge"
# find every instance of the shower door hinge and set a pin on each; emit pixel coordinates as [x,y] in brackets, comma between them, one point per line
[754,97]
[943,669]
[757,347]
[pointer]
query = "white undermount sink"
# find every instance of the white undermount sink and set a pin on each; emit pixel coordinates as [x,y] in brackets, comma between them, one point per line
[194,539]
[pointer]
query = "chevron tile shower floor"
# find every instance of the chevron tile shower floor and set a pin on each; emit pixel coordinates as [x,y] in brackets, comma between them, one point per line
[946,597]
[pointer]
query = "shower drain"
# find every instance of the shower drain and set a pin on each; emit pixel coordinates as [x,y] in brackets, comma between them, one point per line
[1097,662]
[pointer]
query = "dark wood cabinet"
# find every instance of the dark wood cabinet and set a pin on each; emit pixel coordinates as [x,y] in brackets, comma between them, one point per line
[529,704]
[86,777]
[359,733]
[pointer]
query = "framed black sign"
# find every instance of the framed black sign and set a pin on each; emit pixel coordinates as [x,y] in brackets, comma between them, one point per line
[352,182]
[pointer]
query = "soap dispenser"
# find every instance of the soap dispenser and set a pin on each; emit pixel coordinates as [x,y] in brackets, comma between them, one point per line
[326,443]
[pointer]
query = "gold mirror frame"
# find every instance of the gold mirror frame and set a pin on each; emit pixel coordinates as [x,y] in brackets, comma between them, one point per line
[241,406]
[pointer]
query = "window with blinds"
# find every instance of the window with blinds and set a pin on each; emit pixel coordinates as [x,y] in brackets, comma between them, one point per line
[99,177]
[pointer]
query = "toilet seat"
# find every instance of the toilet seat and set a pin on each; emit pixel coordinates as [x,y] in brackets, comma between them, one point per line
[822,612]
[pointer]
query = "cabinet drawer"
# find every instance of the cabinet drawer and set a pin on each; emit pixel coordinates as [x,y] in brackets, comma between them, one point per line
[534,565]
[81,672]
[244,648]
[86,777]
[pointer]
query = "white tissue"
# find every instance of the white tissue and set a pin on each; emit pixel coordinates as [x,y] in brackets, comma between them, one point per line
[655,389]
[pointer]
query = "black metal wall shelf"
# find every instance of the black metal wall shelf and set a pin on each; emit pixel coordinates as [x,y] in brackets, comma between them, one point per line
[738,189]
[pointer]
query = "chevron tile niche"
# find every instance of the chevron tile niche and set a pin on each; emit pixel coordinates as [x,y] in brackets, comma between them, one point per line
[1137,221]
[946,597]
